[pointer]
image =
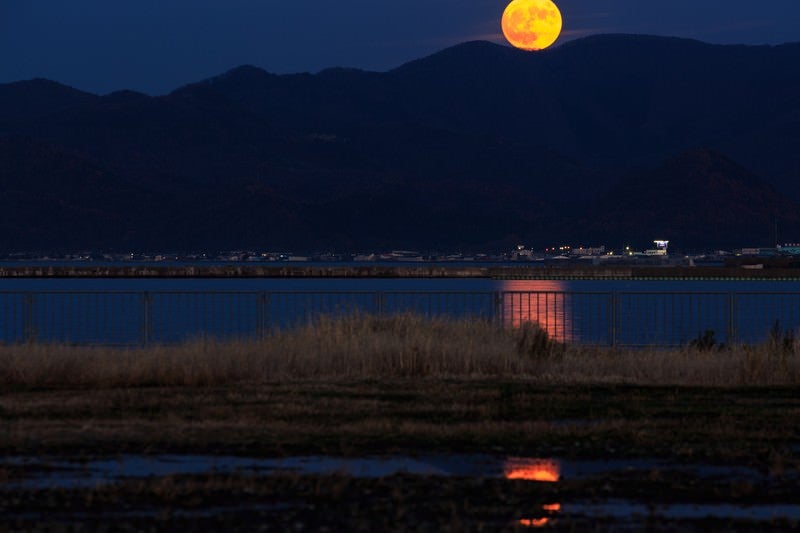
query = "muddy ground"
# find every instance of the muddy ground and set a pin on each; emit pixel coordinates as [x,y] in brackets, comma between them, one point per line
[748,438]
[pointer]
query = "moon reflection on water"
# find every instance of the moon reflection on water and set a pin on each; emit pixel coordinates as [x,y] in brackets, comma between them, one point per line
[541,302]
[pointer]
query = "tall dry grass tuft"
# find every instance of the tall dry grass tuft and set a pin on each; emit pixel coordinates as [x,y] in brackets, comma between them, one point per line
[405,346]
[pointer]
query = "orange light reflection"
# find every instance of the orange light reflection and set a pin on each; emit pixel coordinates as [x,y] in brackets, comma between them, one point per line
[534,522]
[540,302]
[541,522]
[533,470]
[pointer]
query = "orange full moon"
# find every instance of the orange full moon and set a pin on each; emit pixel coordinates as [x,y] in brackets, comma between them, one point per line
[532,24]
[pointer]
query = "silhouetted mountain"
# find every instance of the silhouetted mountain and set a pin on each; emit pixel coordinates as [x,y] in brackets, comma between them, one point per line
[696,198]
[617,100]
[24,102]
[51,199]
[478,144]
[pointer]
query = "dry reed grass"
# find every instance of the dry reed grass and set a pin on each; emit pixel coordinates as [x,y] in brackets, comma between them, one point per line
[407,346]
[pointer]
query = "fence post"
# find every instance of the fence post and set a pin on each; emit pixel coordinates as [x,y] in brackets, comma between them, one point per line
[379,303]
[731,317]
[30,326]
[146,318]
[613,319]
[262,316]
[499,311]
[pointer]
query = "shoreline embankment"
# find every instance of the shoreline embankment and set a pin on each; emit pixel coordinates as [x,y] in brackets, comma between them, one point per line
[503,272]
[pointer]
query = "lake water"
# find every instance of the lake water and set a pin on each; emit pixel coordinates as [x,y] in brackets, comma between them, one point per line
[138,311]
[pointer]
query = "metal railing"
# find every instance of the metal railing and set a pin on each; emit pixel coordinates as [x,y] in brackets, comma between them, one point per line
[597,318]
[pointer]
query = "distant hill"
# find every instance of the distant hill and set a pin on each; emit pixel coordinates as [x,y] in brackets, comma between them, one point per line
[693,198]
[54,200]
[478,145]
[25,102]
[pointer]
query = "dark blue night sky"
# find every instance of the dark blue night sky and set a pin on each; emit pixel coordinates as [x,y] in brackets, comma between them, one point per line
[157,45]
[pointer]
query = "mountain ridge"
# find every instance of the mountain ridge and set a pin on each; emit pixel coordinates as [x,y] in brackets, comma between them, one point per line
[691,194]
[545,135]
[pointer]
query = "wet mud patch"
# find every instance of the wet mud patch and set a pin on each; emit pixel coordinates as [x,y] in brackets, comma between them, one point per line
[423,455]
[26,472]
[435,492]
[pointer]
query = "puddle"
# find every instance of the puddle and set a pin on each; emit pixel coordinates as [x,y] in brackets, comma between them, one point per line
[625,510]
[150,513]
[64,473]
[42,473]
[59,473]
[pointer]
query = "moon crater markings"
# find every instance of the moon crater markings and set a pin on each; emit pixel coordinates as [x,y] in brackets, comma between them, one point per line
[532,24]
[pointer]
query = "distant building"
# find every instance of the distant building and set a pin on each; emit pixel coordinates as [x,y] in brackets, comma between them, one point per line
[789,249]
[762,252]
[522,253]
[659,251]
[581,251]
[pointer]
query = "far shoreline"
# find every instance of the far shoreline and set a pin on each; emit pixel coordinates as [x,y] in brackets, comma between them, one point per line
[420,271]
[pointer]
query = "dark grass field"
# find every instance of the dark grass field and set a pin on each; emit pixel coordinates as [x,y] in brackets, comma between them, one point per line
[713,435]
[756,424]
[752,427]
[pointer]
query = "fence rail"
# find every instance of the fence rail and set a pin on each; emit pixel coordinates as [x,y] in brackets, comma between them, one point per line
[131,318]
